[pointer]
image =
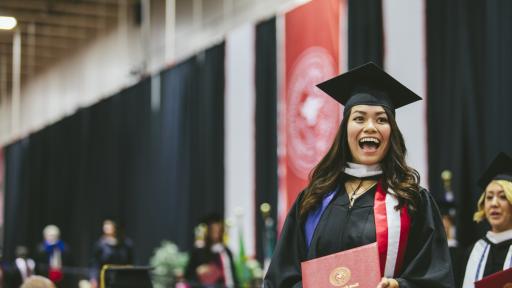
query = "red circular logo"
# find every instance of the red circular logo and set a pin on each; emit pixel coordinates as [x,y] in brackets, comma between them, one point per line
[312,116]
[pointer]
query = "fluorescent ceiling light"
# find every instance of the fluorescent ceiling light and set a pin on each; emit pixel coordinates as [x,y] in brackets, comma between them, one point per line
[7,23]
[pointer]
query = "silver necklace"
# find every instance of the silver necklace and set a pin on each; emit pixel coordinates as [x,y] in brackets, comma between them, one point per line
[356,192]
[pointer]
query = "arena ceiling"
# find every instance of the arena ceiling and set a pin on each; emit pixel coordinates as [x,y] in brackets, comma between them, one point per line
[51,30]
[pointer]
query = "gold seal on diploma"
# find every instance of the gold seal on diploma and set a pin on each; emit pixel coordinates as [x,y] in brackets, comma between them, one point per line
[339,276]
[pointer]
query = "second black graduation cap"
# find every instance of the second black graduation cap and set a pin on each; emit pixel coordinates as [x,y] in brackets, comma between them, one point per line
[499,169]
[368,85]
[212,217]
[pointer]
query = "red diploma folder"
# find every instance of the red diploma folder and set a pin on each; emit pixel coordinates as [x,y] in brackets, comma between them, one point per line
[502,279]
[358,267]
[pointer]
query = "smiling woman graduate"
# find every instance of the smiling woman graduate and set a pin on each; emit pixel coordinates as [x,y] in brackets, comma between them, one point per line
[362,191]
[493,253]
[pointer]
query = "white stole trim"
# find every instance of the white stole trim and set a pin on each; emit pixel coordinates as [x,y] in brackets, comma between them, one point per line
[394,227]
[499,237]
[476,263]
[361,170]
[26,267]
[508,259]
[226,265]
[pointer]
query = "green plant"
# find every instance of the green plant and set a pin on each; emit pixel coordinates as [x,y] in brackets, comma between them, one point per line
[168,263]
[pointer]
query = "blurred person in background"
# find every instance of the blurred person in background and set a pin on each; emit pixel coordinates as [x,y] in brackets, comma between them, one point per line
[25,265]
[493,253]
[111,248]
[211,263]
[52,255]
[22,268]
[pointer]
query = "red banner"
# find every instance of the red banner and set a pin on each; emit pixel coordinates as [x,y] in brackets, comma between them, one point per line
[308,118]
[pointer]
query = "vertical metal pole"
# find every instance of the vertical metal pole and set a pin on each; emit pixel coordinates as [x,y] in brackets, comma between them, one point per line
[170,30]
[197,13]
[31,43]
[3,80]
[146,33]
[228,12]
[16,70]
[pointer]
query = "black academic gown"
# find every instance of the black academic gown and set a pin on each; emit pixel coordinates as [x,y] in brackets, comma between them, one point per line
[495,258]
[204,255]
[106,253]
[427,259]
[11,276]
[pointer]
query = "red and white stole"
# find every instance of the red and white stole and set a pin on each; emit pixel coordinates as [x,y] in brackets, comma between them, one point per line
[392,231]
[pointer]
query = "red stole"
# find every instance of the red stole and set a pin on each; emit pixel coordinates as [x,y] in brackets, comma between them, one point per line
[392,231]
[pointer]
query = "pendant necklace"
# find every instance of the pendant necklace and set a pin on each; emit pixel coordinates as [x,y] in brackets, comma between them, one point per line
[355,192]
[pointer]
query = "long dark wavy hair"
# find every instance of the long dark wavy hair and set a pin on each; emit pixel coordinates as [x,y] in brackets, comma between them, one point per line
[328,173]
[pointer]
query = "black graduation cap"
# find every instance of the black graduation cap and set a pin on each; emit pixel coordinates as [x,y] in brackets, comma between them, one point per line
[213,217]
[499,169]
[368,85]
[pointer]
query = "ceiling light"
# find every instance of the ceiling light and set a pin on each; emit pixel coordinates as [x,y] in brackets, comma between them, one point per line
[7,23]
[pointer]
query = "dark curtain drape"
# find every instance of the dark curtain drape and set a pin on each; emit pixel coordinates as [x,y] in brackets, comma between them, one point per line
[153,163]
[14,163]
[365,32]
[205,115]
[77,172]
[469,87]
[266,128]
[186,153]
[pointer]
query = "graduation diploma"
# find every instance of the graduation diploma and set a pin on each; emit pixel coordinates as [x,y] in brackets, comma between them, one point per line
[357,267]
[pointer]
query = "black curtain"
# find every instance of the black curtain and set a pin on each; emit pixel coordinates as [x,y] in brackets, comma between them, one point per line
[15,158]
[266,127]
[150,163]
[469,87]
[77,172]
[365,32]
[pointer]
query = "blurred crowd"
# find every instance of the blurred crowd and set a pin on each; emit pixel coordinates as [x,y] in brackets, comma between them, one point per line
[51,260]
[209,264]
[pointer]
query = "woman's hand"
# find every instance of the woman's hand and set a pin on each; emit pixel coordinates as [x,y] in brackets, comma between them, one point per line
[388,283]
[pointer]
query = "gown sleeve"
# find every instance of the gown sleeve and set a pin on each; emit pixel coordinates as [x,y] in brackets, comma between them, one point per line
[427,259]
[290,251]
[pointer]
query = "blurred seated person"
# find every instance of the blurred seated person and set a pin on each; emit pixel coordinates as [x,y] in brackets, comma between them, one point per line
[22,268]
[111,248]
[37,282]
[211,264]
[493,252]
[52,254]
[25,265]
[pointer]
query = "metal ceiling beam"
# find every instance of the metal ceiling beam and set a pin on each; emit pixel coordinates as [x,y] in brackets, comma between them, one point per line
[59,31]
[74,8]
[26,52]
[44,42]
[101,1]
[91,22]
